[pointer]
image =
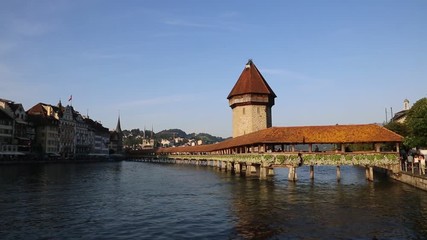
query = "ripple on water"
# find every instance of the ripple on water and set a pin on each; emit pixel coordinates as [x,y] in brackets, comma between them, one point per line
[131,200]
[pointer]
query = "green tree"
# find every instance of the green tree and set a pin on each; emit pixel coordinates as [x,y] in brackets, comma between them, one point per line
[399,128]
[416,122]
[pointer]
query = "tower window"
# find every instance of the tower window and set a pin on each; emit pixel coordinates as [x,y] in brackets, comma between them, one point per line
[243,111]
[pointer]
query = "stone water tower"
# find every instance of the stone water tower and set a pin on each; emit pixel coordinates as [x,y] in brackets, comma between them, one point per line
[251,100]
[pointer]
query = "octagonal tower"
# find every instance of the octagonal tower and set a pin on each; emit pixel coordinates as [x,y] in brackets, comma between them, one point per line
[251,100]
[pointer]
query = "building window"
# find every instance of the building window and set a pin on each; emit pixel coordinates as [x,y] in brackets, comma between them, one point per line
[243,111]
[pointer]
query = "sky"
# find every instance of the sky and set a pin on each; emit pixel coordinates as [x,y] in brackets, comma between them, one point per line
[171,64]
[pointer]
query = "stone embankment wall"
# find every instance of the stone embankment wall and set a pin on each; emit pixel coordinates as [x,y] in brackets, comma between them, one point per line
[413,180]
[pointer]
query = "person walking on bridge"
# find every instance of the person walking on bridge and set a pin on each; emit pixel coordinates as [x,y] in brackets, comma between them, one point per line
[403,159]
[422,164]
[417,163]
[410,162]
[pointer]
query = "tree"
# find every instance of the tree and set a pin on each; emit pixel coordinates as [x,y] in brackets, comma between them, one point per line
[416,122]
[399,128]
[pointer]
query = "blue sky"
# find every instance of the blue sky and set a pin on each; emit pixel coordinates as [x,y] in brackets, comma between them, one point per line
[171,64]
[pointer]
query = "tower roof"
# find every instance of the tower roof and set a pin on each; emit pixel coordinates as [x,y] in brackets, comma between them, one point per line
[118,127]
[251,81]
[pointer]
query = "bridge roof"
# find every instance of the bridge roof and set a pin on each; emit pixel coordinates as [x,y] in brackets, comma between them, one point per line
[251,81]
[363,133]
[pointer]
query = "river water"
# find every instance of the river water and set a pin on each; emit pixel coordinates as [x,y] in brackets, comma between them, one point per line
[134,200]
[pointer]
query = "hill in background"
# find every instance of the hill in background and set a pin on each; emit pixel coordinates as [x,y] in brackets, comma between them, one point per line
[176,137]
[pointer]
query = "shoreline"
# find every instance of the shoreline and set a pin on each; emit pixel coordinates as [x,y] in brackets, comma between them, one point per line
[79,160]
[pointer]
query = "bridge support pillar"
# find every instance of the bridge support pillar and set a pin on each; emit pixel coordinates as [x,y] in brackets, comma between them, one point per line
[230,166]
[311,172]
[292,175]
[243,168]
[270,171]
[224,165]
[237,168]
[338,173]
[257,170]
[248,170]
[263,172]
[369,171]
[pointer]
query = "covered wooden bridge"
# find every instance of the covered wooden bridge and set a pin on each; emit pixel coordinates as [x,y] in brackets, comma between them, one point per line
[281,147]
[288,137]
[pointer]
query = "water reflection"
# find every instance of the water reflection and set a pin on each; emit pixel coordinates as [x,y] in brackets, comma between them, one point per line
[254,212]
[153,201]
[352,208]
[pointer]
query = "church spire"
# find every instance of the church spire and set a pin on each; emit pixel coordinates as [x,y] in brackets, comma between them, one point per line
[118,127]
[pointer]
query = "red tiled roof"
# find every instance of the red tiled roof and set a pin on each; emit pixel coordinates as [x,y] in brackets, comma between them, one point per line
[37,110]
[251,81]
[363,133]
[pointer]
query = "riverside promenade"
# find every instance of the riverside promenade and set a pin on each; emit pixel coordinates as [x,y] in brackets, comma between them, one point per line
[411,174]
